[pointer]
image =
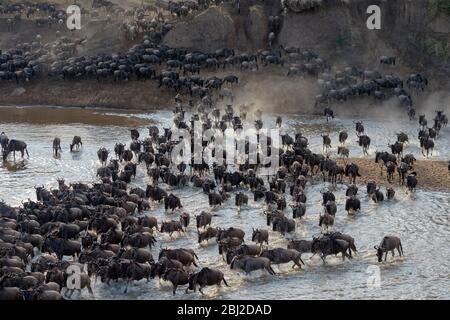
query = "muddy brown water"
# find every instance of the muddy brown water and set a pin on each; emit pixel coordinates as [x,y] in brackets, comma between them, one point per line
[421,220]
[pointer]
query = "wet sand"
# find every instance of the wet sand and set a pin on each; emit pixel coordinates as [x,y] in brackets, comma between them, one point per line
[431,175]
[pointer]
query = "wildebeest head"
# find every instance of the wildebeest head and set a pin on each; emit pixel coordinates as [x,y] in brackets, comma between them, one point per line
[379,253]
[192,282]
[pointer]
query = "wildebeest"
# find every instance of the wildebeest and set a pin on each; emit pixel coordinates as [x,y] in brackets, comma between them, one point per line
[208,234]
[134,134]
[326,142]
[397,148]
[171,226]
[185,256]
[250,263]
[172,202]
[390,193]
[206,277]
[56,146]
[260,236]
[328,113]
[3,141]
[352,205]
[389,243]
[326,220]
[241,199]
[364,142]
[302,246]
[359,128]
[203,219]
[299,210]
[411,181]
[352,171]
[119,149]
[377,196]
[281,255]
[328,245]
[230,233]
[102,155]
[427,145]
[352,190]
[344,152]
[343,135]
[387,60]
[13,146]
[76,142]
[176,277]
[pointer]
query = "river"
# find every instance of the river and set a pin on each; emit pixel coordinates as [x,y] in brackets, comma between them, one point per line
[421,220]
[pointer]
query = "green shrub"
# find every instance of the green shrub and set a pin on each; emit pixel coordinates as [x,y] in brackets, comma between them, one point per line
[342,38]
[439,6]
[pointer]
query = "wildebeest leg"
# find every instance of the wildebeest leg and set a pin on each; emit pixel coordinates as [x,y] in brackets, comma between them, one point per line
[385,256]
[400,249]
[297,263]
[174,289]
[126,286]
[393,254]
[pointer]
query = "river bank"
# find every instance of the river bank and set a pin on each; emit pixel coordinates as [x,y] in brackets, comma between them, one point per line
[431,175]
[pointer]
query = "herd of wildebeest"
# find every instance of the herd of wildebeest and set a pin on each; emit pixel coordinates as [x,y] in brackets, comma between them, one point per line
[107,229]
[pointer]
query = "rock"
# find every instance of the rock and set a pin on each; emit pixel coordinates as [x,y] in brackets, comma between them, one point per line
[256,26]
[210,30]
[18,91]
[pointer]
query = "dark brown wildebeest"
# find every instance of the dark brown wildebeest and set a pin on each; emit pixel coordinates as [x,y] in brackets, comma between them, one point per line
[76,142]
[364,142]
[302,246]
[102,155]
[343,135]
[260,236]
[249,264]
[327,245]
[230,233]
[352,205]
[171,226]
[13,146]
[177,277]
[56,146]
[389,243]
[185,256]
[281,255]
[203,219]
[208,234]
[206,277]
[359,128]
[326,220]
[326,143]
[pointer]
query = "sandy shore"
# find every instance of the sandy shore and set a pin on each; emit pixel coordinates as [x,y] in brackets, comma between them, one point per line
[431,175]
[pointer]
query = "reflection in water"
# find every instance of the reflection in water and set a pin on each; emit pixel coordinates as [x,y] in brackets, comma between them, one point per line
[421,220]
[15,165]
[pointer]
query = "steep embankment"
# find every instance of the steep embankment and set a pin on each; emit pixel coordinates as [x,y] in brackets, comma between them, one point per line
[416,32]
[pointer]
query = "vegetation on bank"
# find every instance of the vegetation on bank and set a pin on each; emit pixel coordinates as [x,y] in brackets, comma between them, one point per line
[439,6]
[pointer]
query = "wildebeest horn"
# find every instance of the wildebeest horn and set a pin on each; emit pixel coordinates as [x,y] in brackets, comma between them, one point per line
[375,247]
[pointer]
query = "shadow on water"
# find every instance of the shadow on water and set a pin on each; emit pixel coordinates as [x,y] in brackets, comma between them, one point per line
[15,165]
